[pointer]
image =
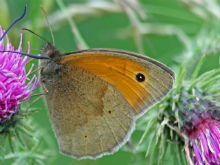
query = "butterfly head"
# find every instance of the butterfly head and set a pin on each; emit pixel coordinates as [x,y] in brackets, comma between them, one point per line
[49,50]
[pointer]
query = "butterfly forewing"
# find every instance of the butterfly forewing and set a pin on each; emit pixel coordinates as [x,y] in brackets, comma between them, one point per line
[121,69]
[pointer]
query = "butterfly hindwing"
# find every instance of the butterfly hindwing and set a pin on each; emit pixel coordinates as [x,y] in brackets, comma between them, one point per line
[88,121]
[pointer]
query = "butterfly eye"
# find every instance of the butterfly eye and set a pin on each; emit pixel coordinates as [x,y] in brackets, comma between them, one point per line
[49,53]
[140,77]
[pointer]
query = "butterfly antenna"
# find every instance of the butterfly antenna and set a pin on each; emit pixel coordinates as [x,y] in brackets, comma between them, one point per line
[48,24]
[26,54]
[35,34]
[14,22]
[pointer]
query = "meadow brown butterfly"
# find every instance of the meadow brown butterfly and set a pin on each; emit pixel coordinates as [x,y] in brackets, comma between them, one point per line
[94,96]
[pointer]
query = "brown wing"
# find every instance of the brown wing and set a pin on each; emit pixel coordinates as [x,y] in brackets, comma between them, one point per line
[120,68]
[89,115]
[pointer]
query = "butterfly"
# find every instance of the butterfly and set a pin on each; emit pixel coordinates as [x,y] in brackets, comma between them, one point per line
[94,96]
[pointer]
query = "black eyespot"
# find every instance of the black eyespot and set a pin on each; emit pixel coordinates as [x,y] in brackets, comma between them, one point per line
[140,77]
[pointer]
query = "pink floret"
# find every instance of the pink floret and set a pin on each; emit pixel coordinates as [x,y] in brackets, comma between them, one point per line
[205,139]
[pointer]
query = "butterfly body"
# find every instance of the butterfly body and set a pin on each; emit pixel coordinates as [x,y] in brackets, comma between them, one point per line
[95,95]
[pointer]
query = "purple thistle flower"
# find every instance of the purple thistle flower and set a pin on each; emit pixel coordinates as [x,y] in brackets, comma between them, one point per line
[13,87]
[202,126]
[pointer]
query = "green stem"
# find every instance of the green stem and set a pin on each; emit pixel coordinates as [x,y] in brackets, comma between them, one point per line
[75,30]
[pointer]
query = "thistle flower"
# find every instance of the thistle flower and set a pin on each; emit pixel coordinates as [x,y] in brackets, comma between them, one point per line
[13,87]
[201,124]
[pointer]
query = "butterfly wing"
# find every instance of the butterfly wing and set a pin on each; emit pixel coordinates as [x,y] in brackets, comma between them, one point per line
[89,115]
[121,69]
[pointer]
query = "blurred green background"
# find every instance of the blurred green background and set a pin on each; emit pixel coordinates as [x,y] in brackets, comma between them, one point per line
[173,32]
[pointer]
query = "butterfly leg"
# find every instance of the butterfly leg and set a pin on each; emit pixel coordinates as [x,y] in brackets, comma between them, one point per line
[43,85]
[35,70]
[33,103]
[40,94]
[31,60]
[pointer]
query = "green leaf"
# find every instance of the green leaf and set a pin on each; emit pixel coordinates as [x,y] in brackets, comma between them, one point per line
[149,125]
[26,126]
[2,145]
[12,144]
[198,67]
[152,138]
[22,130]
[179,79]
[207,83]
[18,135]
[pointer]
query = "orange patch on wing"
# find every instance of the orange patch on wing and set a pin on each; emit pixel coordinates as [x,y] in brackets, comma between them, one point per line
[120,72]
